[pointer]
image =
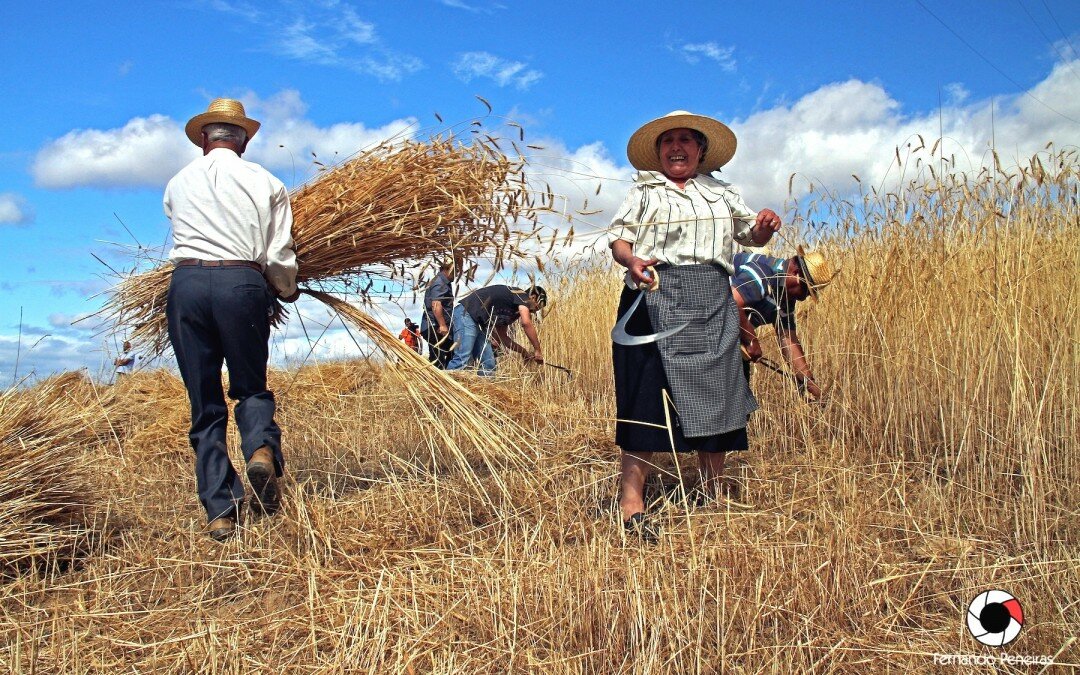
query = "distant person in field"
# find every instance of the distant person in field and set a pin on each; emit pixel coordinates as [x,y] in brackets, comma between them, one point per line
[411,335]
[486,315]
[436,319]
[684,393]
[766,290]
[233,254]
[125,363]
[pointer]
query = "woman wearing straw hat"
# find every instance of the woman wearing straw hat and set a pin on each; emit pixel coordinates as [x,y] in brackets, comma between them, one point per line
[675,232]
[233,252]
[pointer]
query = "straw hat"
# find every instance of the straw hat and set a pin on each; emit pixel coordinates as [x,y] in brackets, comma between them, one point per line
[227,110]
[816,271]
[641,150]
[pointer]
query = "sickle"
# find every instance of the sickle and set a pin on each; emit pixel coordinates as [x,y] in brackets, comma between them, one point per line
[619,334]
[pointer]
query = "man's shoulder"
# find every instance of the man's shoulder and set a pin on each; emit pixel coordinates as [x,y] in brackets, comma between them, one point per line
[439,282]
[259,170]
[230,161]
[488,291]
[195,165]
[759,261]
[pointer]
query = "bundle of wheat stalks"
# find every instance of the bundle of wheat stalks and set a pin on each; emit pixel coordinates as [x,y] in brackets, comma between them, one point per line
[44,498]
[438,399]
[400,203]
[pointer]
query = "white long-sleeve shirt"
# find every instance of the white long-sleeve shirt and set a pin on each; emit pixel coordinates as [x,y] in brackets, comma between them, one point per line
[695,225]
[225,208]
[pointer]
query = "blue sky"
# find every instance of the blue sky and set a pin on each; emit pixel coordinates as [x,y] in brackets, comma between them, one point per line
[96,95]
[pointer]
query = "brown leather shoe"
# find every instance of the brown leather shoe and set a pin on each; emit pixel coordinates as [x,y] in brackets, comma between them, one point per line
[222,529]
[266,496]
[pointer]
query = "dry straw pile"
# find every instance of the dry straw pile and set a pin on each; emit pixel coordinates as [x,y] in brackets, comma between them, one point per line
[46,509]
[945,462]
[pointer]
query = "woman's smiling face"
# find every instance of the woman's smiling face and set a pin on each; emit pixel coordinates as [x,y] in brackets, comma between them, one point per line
[680,153]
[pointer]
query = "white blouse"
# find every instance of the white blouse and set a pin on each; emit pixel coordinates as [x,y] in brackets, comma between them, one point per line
[225,208]
[696,225]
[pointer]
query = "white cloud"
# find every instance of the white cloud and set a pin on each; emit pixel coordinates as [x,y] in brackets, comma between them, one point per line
[147,151]
[335,42]
[284,124]
[485,7]
[1064,50]
[725,56]
[237,9]
[298,43]
[854,127]
[354,29]
[36,355]
[14,209]
[575,176]
[458,5]
[956,93]
[503,72]
[328,33]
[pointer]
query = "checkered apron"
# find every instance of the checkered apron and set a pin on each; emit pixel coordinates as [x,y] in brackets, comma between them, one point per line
[702,362]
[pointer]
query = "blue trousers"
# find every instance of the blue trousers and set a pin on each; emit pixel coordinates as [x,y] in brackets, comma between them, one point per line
[472,344]
[222,315]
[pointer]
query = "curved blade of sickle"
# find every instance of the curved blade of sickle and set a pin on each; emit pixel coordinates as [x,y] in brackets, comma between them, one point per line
[620,336]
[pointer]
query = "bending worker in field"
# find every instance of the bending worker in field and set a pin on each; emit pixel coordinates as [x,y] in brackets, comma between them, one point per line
[766,290]
[489,312]
[233,253]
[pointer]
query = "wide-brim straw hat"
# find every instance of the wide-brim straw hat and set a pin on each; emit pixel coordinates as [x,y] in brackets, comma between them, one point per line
[641,149]
[226,110]
[816,270]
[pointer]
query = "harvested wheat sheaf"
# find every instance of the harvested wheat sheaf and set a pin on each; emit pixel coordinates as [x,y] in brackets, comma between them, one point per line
[442,401]
[44,494]
[391,207]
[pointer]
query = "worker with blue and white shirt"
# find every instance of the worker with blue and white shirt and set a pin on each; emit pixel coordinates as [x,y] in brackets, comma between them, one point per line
[766,290]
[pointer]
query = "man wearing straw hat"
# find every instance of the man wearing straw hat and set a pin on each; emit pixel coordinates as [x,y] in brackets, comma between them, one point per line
[766,290]
[233,253]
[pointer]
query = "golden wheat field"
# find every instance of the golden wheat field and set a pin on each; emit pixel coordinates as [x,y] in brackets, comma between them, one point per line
[945,461]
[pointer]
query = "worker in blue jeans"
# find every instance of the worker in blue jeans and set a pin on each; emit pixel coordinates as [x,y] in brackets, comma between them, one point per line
[494,309]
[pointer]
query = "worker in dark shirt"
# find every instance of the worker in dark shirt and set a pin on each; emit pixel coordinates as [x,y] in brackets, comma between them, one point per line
[488,312]
[766,290]
[435,322]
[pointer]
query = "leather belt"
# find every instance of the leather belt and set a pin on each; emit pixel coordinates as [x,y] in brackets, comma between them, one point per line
[193,262]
